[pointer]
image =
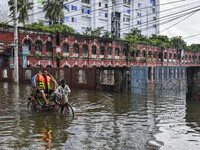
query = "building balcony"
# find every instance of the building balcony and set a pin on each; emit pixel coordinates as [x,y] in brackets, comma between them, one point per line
[86,15]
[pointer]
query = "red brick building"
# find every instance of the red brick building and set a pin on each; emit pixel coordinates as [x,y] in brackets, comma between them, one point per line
[81,51]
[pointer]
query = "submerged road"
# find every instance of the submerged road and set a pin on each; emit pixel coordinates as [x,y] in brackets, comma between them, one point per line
[102,121]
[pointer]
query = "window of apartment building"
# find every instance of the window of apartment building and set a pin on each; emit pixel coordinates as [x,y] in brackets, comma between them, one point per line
[127,2]
[106,15]
[153,2]
[139,5]
[85,11]
[128,11]
[154,18]
[139,22]
[153,10]
[66,6]
[86,1]
[74,8]
[124,19]
[67,18]
[72,19]
[75,31]
[99,13]
[106,5]
[124,10]
[99,4]
[154,26]
[139,14]
[127,19]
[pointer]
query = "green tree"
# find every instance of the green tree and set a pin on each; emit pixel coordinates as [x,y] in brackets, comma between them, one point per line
[194,47]
[22,7]
[178,42]
[90,32]
[54,10]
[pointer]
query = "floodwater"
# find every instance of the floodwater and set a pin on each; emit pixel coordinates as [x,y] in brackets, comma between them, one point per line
[102,121]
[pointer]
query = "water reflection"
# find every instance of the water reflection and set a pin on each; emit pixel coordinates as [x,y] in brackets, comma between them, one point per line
[102,121]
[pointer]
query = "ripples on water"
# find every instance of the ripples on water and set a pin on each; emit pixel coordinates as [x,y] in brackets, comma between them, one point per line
[102,121]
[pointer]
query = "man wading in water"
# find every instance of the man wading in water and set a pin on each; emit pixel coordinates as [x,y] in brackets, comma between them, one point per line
[61,93]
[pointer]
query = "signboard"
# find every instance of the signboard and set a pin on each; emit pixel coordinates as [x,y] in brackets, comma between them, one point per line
[11,62]
[25,50]
[58,49]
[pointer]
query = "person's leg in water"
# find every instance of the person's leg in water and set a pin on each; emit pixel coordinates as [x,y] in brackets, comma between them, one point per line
[41,91]
[52,97]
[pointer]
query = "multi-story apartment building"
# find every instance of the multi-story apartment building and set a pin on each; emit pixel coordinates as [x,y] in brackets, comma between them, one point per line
[116,16]
[4,11]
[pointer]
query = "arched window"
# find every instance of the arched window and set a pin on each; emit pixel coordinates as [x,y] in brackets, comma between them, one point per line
[125,52]
[150,54]
[165,55]
[189,57]
[186,57]
[160,55]
[85,50]
[102,50]
[174,56]
[155,55]
[132,54]
[49,66]
[116,51]
[75,49]
[110,51]
[28,43]
[94,50]
[143,53]
[193,59]
[170,55]
[65,48]
[138,53]
[38,47]
[49,48]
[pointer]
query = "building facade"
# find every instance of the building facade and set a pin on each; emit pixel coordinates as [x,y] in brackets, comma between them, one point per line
[116,16]
[77,50]
[4,11]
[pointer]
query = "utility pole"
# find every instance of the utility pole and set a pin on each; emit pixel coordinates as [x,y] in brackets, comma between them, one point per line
[16,66]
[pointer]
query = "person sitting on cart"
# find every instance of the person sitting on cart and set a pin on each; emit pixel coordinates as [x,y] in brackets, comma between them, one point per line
[43,85]
[61,93]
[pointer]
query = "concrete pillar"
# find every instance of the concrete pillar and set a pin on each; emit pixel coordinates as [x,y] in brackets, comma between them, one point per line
[193,84]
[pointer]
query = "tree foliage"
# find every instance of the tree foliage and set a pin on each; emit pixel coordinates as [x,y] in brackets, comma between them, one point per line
[54,10]
[162,41]
[53,28]
[22,8]
[178,42]
[194,47]
[90,32]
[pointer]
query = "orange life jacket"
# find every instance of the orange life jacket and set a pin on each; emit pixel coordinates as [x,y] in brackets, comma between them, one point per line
[42,82]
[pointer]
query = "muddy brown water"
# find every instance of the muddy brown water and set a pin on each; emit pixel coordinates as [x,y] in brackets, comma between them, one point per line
[103,120]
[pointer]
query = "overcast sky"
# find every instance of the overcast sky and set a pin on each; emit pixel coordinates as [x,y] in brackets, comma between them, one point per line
[188,27]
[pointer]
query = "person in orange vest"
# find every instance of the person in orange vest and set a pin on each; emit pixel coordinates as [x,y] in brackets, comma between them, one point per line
[43,85]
